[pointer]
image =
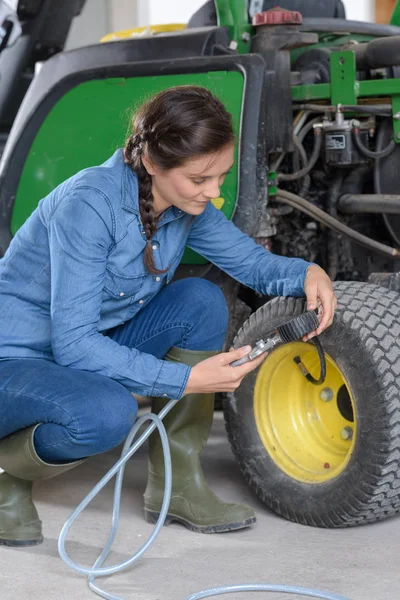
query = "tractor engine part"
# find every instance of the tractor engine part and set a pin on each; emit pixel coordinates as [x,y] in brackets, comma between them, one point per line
[377,54]
[341,150]
[313,66]
[383,110]
[311,163]
[366,151]
[351,204]
[316,213]
[386,176]
[278,32]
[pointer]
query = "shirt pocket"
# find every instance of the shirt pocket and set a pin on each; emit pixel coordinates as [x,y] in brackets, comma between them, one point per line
[122,288]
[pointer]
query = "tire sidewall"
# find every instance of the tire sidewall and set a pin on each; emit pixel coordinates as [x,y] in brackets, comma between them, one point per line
[347,342]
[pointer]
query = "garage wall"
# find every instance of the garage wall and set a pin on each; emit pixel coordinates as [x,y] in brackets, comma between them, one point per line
[360,10]
[100,17]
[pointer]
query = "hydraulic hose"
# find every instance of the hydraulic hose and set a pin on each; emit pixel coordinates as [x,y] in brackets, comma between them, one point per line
[313,159]
[372,154]
[331,25]
[301,151]
[118,469]
[300,131]
[369,203]
[384,110]
[316,213]
[300,148]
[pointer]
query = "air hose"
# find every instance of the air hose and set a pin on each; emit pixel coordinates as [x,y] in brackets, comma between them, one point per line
[296,328]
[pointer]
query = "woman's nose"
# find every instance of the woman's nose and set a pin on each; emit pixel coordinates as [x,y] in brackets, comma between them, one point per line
[212,190]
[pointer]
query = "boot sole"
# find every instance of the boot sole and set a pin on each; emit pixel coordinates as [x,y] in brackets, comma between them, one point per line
[152,517]
[21,543]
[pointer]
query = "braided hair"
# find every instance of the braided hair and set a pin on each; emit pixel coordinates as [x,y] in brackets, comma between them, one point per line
[178,124]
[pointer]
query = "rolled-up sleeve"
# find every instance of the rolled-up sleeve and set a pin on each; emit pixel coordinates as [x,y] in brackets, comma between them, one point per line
[216,238]
[80,238]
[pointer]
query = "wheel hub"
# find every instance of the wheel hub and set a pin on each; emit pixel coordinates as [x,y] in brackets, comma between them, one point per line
[308,430]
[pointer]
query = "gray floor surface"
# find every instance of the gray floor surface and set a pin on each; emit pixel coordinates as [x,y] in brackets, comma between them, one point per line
[360,563]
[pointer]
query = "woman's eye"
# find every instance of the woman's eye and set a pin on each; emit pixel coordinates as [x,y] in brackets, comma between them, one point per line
[198,181]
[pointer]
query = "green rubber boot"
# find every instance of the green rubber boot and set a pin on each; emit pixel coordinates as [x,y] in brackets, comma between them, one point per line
[188,426]
[19,520]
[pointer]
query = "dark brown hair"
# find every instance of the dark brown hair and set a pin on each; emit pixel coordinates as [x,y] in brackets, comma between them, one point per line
[178,124]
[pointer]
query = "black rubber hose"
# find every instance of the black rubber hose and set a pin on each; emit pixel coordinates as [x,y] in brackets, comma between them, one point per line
[322,362]
[307,128]
[345,26]
[313,159]
[380,53]
[303,155]
[351,204]
[301,135]
[372,154]
[384,110]
[316,213]
[296,166]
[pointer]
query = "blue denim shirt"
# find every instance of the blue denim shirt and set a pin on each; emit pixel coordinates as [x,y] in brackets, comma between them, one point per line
[75,269]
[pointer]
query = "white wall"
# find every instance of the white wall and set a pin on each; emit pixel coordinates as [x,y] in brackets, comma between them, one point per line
[89,26]
[167,11]
[100,17]
[359,10]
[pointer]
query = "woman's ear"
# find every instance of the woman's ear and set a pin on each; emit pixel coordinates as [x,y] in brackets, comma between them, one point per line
[148,165]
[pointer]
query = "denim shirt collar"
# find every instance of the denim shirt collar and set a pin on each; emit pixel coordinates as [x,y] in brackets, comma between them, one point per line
[130,197]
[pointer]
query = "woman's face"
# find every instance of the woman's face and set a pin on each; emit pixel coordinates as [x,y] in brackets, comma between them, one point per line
[191,186]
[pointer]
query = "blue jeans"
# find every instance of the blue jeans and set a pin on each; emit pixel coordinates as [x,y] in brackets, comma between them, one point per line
[82,413]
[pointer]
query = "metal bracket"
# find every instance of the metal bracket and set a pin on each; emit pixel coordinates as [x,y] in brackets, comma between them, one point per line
[272,183]
[396,118]
[344,84]
[233,14]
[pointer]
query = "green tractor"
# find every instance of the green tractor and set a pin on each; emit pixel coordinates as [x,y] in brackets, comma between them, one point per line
[316,110]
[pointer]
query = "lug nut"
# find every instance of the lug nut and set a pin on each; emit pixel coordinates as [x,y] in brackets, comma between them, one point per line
[346,433]
[326,394]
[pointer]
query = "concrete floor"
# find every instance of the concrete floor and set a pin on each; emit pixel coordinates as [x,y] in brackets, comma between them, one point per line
[360,563]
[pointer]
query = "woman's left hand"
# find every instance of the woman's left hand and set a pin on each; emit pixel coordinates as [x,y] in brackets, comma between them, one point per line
[319,292]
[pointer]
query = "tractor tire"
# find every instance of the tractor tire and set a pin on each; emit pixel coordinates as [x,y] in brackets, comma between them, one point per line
[324,455]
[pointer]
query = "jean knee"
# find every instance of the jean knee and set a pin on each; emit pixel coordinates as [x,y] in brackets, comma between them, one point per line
[112,421]
[209,313]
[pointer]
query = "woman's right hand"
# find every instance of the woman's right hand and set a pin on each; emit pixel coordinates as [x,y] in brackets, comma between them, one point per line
[216,375]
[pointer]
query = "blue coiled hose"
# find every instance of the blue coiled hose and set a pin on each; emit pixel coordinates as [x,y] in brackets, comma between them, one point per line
[118,469]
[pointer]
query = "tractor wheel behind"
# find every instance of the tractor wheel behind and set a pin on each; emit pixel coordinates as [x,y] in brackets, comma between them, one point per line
[325,455]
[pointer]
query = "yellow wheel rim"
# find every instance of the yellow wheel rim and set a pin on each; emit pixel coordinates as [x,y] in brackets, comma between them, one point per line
[308,430]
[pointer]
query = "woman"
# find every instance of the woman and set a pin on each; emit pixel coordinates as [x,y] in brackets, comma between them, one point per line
[87,319]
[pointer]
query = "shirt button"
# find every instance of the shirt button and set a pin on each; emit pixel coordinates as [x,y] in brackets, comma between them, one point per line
[121,294]
[141,301]
[158,278]
[154,247]
[165,395]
